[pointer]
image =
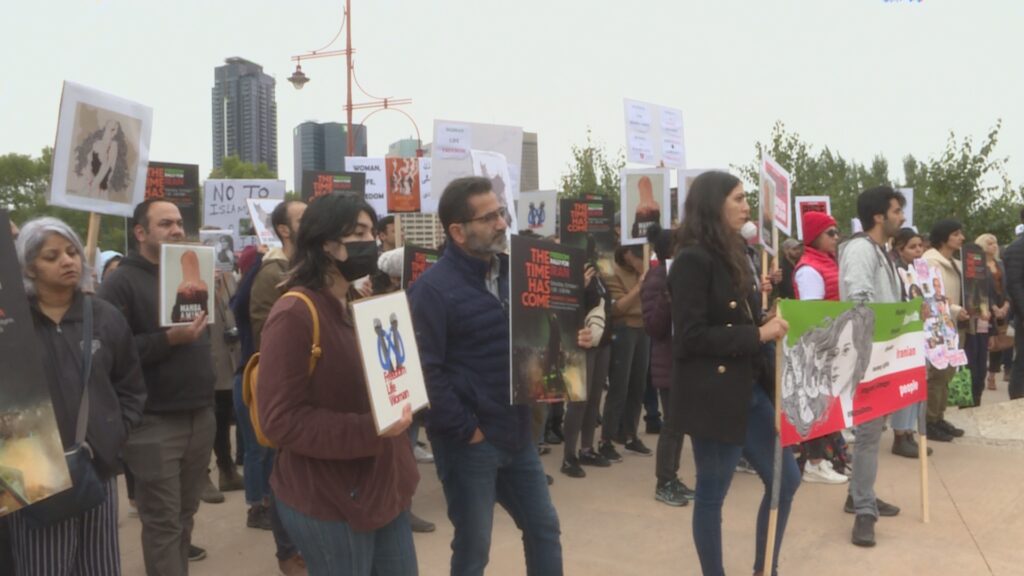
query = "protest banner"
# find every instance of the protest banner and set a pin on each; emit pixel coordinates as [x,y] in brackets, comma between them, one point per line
[32,464]
[454,143]
[403,179]
[260,212]
[186,282]
[810,204]
[316,183]
[225,207]
[536,211]
[942,339]
[495,167]
[845,364]
[391,359]
[179,185]
[547,312]
[223,246]
[646,199]
[101,153]
[654,135]
[589,224]
[416,261]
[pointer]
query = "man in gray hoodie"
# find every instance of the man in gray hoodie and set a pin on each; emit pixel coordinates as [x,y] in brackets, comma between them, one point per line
[867,274]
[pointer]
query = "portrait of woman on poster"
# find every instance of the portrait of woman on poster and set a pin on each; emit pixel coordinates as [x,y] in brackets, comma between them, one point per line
[225,251]
[101,160]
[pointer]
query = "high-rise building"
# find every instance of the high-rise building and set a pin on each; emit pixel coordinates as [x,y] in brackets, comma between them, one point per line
[244,114]
[422,230]
[323,146]
[529,178]
[405,148]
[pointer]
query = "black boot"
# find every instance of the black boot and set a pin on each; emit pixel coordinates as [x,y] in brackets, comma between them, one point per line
[913,442]
[901,446]
[864,530]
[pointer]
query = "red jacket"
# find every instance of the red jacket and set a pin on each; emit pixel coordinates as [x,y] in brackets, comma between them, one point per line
[825,265]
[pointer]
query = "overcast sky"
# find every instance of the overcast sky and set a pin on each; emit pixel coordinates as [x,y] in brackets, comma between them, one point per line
[860,76]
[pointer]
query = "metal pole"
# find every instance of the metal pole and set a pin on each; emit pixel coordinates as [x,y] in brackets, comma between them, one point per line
[348,72]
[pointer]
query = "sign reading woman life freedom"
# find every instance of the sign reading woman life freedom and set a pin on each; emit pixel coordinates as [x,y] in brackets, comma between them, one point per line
[845,364]
[101,154]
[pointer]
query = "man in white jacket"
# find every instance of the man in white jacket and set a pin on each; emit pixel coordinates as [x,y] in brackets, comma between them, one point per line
[867,274]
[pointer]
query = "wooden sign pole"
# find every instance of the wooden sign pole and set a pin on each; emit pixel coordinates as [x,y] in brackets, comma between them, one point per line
[922,454]
[92,239]
[773,510]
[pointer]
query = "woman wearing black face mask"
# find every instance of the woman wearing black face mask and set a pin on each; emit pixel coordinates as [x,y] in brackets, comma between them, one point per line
[342,492]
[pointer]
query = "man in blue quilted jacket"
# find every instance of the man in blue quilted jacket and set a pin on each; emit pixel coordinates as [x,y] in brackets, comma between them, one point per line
[481,441]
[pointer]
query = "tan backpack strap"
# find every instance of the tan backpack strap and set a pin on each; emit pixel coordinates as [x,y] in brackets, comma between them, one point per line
[315,352]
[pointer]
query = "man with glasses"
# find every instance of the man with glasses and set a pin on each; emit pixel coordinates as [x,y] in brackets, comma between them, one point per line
[481,441]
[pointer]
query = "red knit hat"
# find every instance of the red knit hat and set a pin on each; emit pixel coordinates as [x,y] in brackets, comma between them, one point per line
[814,224]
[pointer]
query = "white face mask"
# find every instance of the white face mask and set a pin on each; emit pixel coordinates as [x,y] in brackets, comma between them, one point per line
[749,230]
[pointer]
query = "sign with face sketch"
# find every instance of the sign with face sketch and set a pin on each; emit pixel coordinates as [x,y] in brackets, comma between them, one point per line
[845,364]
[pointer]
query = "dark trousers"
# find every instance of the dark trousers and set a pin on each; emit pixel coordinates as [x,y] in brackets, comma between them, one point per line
[1017,375]
[581,417]
[977,360]
[475,477]
[224,414]
[627,377]
[716,466]
[670,443]
[651,413]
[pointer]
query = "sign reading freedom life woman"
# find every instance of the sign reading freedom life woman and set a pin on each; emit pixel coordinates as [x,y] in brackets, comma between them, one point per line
[845,364]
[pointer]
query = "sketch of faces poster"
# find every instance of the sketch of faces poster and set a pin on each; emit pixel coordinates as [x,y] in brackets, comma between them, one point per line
[32,464]
[260,211]
[223,247]
[403,179]
[102,151]
[494,167]
[845,364]
[391,360]
[186,283]
[646,200]
[942,340]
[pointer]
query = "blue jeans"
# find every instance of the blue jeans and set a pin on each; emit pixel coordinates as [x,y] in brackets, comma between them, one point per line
[906,419]
[333,548]
[716,465]
[475,477]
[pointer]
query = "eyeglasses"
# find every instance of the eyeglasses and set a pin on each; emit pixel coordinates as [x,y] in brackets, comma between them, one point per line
[490,217]
[832,232]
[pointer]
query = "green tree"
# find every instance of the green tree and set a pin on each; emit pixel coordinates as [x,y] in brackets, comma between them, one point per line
[24,183]
[233,167]
[591,171]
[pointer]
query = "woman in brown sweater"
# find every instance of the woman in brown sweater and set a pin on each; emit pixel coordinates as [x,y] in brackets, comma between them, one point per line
[342,491]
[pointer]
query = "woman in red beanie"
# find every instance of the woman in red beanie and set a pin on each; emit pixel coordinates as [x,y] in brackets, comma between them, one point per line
[816,277]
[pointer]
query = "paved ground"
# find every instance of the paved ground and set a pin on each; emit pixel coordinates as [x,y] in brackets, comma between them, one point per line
[611,524]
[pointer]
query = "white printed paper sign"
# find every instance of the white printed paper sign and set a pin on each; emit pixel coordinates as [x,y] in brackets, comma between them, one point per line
[260,211]
[375,170]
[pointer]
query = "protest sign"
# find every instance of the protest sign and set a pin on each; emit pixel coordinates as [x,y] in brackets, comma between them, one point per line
[391,359]
[646,199]
[260,211]
[766,231]
[101,154]
[975,282]
[223,246]
[416,261]
[810,204]
[685,182]
[547,312]
[428,198]
[495,167]
[589,224]
[781,203]
[179,185]
[654,135]
[374,172]
[403,179]
[942,340]
[186,282]
[318,183]
[845,364]
[908,209]
[225,207]
[32,464]
[454,143]
[536,211]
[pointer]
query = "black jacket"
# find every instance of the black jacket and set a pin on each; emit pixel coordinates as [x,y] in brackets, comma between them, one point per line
[716,348]
[178,378]
[116,390]
[1013,279]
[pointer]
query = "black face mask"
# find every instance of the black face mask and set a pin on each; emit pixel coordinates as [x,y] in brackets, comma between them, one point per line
[362,260]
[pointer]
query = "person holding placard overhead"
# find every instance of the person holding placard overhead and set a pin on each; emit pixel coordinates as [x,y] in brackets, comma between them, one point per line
[719,391]
[100,395]
[342,491]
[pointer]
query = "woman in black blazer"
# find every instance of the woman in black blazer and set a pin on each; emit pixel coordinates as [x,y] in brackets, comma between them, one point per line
[718,364]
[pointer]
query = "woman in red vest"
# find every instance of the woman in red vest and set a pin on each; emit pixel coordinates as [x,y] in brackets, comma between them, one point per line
[816,277]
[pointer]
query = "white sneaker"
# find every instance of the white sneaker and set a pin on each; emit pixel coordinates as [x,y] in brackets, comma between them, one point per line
[423,455]
[823,473]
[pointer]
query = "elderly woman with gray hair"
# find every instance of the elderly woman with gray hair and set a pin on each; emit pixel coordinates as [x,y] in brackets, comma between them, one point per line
[106,387]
